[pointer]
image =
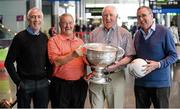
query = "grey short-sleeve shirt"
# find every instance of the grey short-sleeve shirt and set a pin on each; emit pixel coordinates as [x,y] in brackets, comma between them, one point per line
[116,36]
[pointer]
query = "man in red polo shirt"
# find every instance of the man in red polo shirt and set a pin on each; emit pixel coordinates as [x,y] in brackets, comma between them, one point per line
[68,88]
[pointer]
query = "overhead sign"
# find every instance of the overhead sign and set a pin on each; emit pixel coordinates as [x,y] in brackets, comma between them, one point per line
[165,6]
[94,11]
[165,11]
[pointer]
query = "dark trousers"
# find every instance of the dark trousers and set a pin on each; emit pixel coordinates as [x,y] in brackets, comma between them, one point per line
[36,90]
[68,94]
[158,96]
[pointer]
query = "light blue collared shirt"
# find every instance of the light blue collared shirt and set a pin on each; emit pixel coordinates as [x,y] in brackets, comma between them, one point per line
[150,31]
[108,36]
[29,29]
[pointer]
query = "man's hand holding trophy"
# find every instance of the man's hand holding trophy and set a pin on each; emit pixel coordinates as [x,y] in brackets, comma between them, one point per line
[99,56]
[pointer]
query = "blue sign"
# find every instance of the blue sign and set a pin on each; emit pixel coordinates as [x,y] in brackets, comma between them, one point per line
[165,11]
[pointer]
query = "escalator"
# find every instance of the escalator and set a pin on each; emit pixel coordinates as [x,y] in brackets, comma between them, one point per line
[6,36]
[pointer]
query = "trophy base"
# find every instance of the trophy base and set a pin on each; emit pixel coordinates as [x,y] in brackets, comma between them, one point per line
[100,80]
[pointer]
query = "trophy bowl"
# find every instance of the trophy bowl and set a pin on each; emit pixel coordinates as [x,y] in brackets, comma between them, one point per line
[100,56]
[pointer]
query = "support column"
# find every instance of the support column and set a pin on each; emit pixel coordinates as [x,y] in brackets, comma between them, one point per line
[167,20]
[82,11]
[55,15]
[36,3]
[77,12]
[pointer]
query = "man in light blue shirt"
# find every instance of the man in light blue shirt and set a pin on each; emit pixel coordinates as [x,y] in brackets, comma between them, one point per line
[112,34]
[153,43]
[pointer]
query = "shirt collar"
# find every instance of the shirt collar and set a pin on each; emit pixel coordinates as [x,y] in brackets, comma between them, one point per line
[29,29]
[153,27]
[150,31]
[112,28]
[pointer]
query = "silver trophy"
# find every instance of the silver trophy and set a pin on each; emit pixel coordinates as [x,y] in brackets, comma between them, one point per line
[99,57]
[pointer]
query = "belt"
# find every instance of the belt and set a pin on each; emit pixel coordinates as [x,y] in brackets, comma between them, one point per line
[67,81]
[106,73]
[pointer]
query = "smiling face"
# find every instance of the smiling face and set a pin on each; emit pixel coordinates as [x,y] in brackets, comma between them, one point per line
[145,18]
[109,16]
[66,24]
[35,18]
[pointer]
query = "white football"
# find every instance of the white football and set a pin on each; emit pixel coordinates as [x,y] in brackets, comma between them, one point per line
[136,67]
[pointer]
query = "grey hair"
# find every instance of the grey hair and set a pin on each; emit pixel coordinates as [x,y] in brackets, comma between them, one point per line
[34,9]
[112,7]
[64,15]
[146,7]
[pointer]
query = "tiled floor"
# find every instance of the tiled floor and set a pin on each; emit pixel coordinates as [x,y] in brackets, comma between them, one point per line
[7,91]
[7,87]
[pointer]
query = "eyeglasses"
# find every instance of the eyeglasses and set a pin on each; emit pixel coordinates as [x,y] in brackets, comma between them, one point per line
[35,17]
[106,15]
[142,16]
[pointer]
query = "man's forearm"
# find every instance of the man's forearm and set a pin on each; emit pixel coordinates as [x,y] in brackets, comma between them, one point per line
[65,59]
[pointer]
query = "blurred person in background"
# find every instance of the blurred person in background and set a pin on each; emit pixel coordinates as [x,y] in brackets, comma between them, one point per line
[68,87]
[112,34]
[153,43]
[134,29]
[52,31]
[174,29]
[124,26]
[28,65]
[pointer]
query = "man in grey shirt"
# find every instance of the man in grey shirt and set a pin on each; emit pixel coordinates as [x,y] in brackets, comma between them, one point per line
[112,34]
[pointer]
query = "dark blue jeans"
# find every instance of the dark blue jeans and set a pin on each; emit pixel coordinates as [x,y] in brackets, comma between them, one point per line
[158,96]
[33,90]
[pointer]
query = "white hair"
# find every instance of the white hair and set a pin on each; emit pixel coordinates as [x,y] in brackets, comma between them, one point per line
[34,9]
[112,7]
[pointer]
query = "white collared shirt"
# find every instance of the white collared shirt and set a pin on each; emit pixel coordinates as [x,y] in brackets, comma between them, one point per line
[150,31]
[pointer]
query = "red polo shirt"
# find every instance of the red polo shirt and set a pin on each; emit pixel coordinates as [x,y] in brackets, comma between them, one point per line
[59,46]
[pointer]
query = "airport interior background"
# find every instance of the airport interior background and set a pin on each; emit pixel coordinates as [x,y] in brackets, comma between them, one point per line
[87,15]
